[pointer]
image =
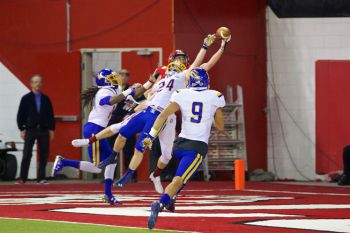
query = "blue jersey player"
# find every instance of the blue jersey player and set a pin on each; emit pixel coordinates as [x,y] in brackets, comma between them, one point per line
[103,100]
[200,107]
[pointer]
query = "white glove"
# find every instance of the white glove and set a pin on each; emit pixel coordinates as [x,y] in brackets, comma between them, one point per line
[130,103]
[80,142]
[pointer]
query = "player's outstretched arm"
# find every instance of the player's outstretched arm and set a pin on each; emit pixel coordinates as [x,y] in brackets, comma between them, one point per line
[136,90]
[216,57]
[209,40]
[219,120]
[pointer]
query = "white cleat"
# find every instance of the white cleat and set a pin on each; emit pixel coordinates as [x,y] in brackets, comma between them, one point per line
[80,142]
[157,183]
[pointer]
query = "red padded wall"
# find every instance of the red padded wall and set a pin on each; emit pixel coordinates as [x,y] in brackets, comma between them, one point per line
[33,40]
[332,114]
[243,63]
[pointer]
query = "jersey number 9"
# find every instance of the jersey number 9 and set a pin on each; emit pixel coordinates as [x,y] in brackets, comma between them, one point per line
[197,111]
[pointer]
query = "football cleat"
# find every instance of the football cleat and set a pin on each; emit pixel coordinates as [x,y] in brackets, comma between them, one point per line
[111,200]
[124,179]
[157,183]
[109,160]
[156,207]
[57,166]
[80,142]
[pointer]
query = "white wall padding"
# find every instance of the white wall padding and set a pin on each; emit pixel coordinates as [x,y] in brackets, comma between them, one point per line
[293,47]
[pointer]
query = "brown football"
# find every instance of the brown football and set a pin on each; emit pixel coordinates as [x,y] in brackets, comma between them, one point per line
[223,32]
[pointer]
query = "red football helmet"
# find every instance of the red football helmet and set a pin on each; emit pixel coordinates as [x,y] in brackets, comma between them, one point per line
[183,57]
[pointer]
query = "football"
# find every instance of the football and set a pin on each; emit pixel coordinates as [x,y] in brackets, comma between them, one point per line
[223,32]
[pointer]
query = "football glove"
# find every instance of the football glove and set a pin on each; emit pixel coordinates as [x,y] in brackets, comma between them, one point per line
[209,40]
[130,103]
[147,142]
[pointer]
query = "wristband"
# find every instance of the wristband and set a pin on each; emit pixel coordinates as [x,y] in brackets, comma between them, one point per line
[205,46]
[147,85]
[127,92]
[153,133]
[92,139]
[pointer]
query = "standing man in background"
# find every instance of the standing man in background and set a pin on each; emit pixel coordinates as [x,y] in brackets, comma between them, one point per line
[35,120]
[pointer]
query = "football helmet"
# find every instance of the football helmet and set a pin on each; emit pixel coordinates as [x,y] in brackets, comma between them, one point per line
[179,53]
[107,77]
[198,78]
[176,67]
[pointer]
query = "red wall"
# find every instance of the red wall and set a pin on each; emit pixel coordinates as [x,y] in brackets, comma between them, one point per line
[332,114]
[33,40]
[33,33]
[243,63]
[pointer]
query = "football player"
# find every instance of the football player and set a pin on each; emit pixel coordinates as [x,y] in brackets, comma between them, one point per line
[103,100]
[142,122]
[200,107]
[167,136]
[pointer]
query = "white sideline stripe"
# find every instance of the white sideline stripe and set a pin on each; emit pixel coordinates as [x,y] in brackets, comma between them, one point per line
[144,212]
[118,190]
[84,223]
[294,192]
[324,225]
[267,207]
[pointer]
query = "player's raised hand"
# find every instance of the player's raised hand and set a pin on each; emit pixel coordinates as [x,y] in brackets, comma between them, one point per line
[80,142]
[224,42]
[130,103]
[209,40]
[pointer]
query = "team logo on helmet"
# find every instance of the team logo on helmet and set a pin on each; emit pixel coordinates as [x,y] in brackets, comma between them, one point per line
[175,66]
[198,78]
[107,77]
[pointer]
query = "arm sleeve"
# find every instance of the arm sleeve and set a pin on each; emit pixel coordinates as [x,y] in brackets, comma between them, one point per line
[21,115]
[52,122]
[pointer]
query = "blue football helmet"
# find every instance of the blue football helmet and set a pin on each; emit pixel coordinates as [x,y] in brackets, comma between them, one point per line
[175,67]
[198,78]
[107,77]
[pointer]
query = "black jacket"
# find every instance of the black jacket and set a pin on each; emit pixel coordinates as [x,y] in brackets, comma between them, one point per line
[29,118]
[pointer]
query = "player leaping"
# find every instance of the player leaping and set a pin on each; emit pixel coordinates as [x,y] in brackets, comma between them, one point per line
[144,121]
[199,107]
[167,135]
[103,100]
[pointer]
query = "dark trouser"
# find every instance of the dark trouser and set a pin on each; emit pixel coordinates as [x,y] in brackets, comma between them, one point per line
[346,160]
[43,140]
